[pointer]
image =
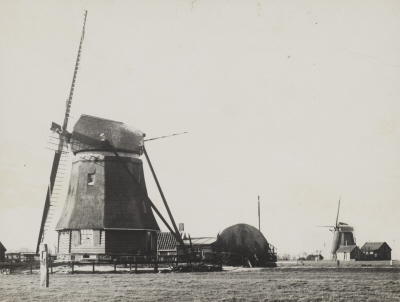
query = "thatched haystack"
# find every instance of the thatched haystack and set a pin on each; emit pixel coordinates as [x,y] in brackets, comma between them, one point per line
[244,242]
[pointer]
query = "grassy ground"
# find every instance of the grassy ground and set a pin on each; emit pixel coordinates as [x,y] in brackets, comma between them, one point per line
[270,284]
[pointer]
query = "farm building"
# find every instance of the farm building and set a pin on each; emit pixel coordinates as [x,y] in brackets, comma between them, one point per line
[315,257]
[167,244]
[2,253]
[376,251]
[348,252]
[13,257]
[105,211]
[201,245]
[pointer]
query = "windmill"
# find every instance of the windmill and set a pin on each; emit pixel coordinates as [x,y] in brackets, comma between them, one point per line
[107,212]
[342,234]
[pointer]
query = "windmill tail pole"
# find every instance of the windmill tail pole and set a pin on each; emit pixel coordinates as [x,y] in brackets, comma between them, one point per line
[164,200]
[177,237]
[161,192]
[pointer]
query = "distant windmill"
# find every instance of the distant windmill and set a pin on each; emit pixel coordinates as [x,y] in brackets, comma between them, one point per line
[343,234]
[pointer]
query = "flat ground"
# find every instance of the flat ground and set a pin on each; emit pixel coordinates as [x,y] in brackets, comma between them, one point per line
[236,284]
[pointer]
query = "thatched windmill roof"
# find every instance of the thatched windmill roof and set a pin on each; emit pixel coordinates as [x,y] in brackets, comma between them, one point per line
[87,131]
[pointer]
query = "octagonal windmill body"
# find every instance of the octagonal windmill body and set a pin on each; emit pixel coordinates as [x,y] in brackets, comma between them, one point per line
[105,212]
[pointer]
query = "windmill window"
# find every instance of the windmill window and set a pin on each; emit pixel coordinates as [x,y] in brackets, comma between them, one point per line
[87,237]
[90,179]
[144,207]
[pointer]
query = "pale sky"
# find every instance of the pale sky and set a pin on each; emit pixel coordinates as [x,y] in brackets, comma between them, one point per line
[295,101]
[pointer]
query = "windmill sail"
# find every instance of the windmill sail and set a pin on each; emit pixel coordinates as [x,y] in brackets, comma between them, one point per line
[59,141]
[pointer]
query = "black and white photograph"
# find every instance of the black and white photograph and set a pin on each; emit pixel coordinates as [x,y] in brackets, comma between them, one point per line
[200,150]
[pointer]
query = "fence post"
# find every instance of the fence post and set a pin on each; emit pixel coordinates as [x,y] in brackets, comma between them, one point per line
[44,266]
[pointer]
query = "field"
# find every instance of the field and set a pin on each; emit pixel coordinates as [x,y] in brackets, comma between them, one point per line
[284,283]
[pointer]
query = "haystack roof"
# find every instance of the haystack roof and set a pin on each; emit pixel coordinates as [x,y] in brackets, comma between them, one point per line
[373,246]
[87,131]
[242,239]
[346,249]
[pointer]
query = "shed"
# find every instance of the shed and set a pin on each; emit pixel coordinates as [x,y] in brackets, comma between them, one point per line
[315,257]
[201,245]
[348,252]
[2,253]
[167,243]
[376,251]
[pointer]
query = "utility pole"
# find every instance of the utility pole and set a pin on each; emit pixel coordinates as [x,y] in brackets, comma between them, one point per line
[259,219]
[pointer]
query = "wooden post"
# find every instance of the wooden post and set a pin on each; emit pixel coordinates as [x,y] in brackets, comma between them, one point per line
[93,266]
[72,267]
[44,268]
[115,265]
[135,267]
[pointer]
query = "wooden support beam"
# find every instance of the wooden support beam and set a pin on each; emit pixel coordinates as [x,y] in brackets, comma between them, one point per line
[178,236]
[44,268]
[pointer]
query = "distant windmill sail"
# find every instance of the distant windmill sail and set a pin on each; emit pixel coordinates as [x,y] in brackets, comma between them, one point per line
[56,175]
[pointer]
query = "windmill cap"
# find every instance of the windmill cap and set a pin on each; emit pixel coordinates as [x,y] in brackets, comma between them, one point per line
[89,131]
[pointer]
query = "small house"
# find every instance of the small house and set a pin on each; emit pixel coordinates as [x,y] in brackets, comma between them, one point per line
[376,251]
[2,253]
[348,252]
[13,257]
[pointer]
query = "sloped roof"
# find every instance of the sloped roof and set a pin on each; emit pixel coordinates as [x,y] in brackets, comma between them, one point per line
[201,240]
[87,131]
[346,249]
[2,247]
[373,246]
[167,241]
